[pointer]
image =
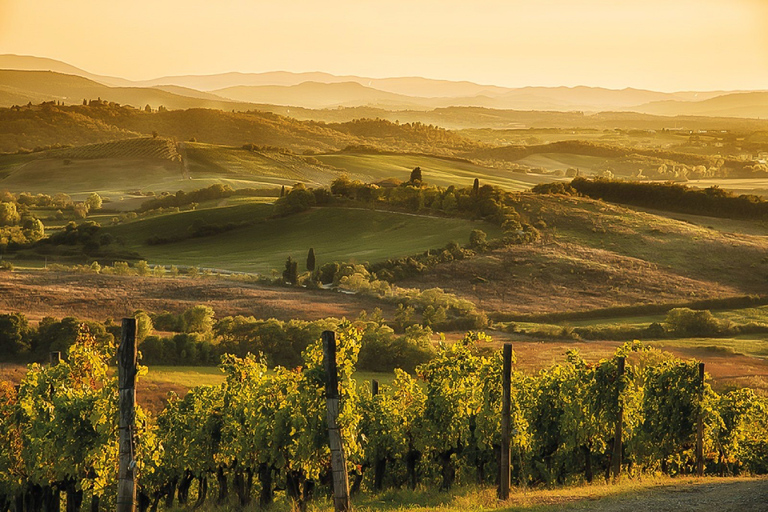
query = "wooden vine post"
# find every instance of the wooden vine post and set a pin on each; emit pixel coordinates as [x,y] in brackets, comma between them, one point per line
[126,378]
[338,458]
[700,427]
[619,433]
[506,384]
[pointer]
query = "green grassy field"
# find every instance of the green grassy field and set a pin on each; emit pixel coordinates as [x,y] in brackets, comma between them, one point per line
[190,376]
[264,245]
[438,171]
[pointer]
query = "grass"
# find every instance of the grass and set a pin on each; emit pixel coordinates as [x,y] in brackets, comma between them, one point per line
[135,233]
[439,171]
[647,492]
[190,376]
[264,246]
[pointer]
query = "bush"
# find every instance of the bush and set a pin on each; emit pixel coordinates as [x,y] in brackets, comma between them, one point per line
[685,322]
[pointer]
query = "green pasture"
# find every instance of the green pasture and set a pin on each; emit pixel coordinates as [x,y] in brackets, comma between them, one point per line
[190,376]
[336,234]
[438,171]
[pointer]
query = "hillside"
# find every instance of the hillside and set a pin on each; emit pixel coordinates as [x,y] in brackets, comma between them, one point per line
[596,255]
[744,104]
[110,169]
[317,95]
[264,244]
[21,87]
[41,125]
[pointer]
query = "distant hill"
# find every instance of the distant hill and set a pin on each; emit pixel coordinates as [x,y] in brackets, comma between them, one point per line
[49,124]
[317,95]
[30,63]
[398,93]
[21,87]
[745,104]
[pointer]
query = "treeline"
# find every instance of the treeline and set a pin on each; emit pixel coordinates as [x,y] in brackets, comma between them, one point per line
[679,323]
[19,226]
[489,203]
[215,191]
[261,432]
[712,201]
[200,339]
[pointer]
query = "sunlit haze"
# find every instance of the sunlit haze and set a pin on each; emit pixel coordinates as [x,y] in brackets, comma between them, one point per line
[655,44]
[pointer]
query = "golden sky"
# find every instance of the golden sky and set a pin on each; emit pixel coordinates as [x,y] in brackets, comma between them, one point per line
[655,44]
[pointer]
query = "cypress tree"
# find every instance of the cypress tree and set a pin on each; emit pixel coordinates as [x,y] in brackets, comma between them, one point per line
[311,260]
[291,272]
[476,187]
[282,191]
[416,175]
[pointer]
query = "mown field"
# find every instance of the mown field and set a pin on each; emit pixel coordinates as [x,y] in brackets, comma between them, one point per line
[264,245]
[439,171]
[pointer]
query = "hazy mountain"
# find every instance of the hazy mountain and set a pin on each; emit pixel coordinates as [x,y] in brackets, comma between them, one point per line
[745,104]
[318,95]
[317,90]
[21,87]
[30,63]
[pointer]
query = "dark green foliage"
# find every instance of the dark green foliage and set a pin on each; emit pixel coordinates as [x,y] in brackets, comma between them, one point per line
[15,334]
[476,187]
[712,201]
[181,198]
[311,260]
[299,199]
[556,187]
[477,239]
[685,322]
[416,177]
[291,272]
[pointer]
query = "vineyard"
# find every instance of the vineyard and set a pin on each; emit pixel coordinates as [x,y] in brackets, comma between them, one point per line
[154,148]
[261,435]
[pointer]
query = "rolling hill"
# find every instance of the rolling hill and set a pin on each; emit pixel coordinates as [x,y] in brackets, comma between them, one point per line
[264,244]
[398,93]
[317,95]
[21,87]
[745,104]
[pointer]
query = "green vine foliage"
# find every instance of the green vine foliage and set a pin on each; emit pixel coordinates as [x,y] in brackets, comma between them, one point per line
[264,432]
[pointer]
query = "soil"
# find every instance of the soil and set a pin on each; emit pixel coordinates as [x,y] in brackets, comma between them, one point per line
[38,294]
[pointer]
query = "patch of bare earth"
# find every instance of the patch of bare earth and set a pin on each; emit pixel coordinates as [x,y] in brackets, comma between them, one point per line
[97,297]
[558,276]
[700,495]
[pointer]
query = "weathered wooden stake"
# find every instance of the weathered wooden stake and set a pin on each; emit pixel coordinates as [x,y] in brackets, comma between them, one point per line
[700,428]
[55,358]
[618,434]
[126,378]
[506,383]
[374,387]
[338,458]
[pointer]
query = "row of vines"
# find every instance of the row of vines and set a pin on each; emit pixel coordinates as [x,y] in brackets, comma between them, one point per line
[261,435]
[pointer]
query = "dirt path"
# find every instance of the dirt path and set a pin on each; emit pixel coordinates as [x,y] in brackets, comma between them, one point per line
[97,297]
[715,495]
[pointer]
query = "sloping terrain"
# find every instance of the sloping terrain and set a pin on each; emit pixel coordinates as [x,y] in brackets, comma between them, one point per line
[264,244]
[595,255]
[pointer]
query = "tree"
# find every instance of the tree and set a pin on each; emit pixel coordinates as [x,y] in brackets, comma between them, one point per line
[477,238]
[476,187]
[144,326]
[282,191]
[416,175]
[198,319]
[9,216]
[311,260]
[291,272]
[93,201]
[15,333]
[81,210]
[147,108]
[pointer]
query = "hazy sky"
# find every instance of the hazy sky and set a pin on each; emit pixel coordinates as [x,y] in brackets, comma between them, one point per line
[656,44]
